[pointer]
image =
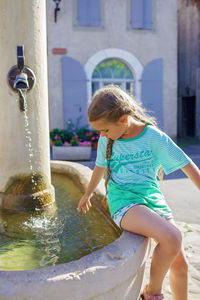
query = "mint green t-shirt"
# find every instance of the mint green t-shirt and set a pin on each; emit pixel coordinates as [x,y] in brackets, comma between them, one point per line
[134,166]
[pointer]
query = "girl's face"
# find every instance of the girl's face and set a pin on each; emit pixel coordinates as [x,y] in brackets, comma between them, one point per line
[112,130]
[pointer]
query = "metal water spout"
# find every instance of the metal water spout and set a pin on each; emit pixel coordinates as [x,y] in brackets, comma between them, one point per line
[21,85]
[21,78]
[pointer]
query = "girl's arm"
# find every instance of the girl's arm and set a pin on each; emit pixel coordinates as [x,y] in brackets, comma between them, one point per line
[84,202]
[193,172]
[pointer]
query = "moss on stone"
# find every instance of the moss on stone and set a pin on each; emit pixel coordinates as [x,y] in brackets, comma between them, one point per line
[25,184]
[28,192]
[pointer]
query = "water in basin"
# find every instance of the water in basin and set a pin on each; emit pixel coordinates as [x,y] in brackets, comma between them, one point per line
[31,240]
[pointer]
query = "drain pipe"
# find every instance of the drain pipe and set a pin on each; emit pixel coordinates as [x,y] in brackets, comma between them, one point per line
[25,180]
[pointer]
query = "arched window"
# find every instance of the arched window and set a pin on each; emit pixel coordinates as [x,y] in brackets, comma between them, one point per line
[112,71]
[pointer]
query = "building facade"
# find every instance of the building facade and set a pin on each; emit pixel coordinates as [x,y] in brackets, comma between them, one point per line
[189,68]
[131,43]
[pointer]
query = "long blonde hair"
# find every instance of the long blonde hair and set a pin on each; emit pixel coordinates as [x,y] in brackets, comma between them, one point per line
[110,103]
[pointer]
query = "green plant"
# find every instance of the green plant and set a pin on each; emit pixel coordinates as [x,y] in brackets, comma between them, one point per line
[58,143]
[74,141]
[71,137]
[60,134]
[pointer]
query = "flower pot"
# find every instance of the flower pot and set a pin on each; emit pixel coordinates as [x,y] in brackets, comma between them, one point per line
[94,145]
[71,153]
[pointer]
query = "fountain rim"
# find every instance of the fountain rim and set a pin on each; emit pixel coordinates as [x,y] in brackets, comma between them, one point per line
[126,252]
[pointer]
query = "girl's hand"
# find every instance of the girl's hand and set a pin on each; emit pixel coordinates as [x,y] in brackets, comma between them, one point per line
[84,204]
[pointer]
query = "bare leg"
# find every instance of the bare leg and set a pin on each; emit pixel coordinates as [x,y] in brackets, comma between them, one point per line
[141,220]
[179,275]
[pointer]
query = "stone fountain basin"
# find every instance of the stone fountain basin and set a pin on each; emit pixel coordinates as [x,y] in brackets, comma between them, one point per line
[114,272]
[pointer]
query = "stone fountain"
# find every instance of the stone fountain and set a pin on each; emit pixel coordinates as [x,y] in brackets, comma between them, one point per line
[115,271]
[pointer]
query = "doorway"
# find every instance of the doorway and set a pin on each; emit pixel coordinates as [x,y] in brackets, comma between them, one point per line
[188,116]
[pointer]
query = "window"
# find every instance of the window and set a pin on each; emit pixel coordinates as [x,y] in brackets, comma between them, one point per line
[89,13]
[112,71]
[141,14]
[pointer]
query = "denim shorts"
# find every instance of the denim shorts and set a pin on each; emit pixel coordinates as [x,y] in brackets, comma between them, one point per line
[117,217]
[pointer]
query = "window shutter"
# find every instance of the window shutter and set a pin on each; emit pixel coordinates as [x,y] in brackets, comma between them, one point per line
[137,14]
[147,14]
[94,11]
[82,12]
[74,92]
[88,12]
[152,89]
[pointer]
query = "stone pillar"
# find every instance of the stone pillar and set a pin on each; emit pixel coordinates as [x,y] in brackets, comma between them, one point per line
[25,181]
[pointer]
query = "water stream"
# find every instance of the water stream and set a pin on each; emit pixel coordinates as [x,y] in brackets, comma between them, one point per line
[29,146]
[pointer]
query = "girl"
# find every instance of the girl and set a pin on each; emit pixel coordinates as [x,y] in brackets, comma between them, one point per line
[133,150]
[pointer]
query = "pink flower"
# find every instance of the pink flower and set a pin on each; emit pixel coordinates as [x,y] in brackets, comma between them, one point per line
[66,144]
[57,137]
[85,144]
[88,134]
